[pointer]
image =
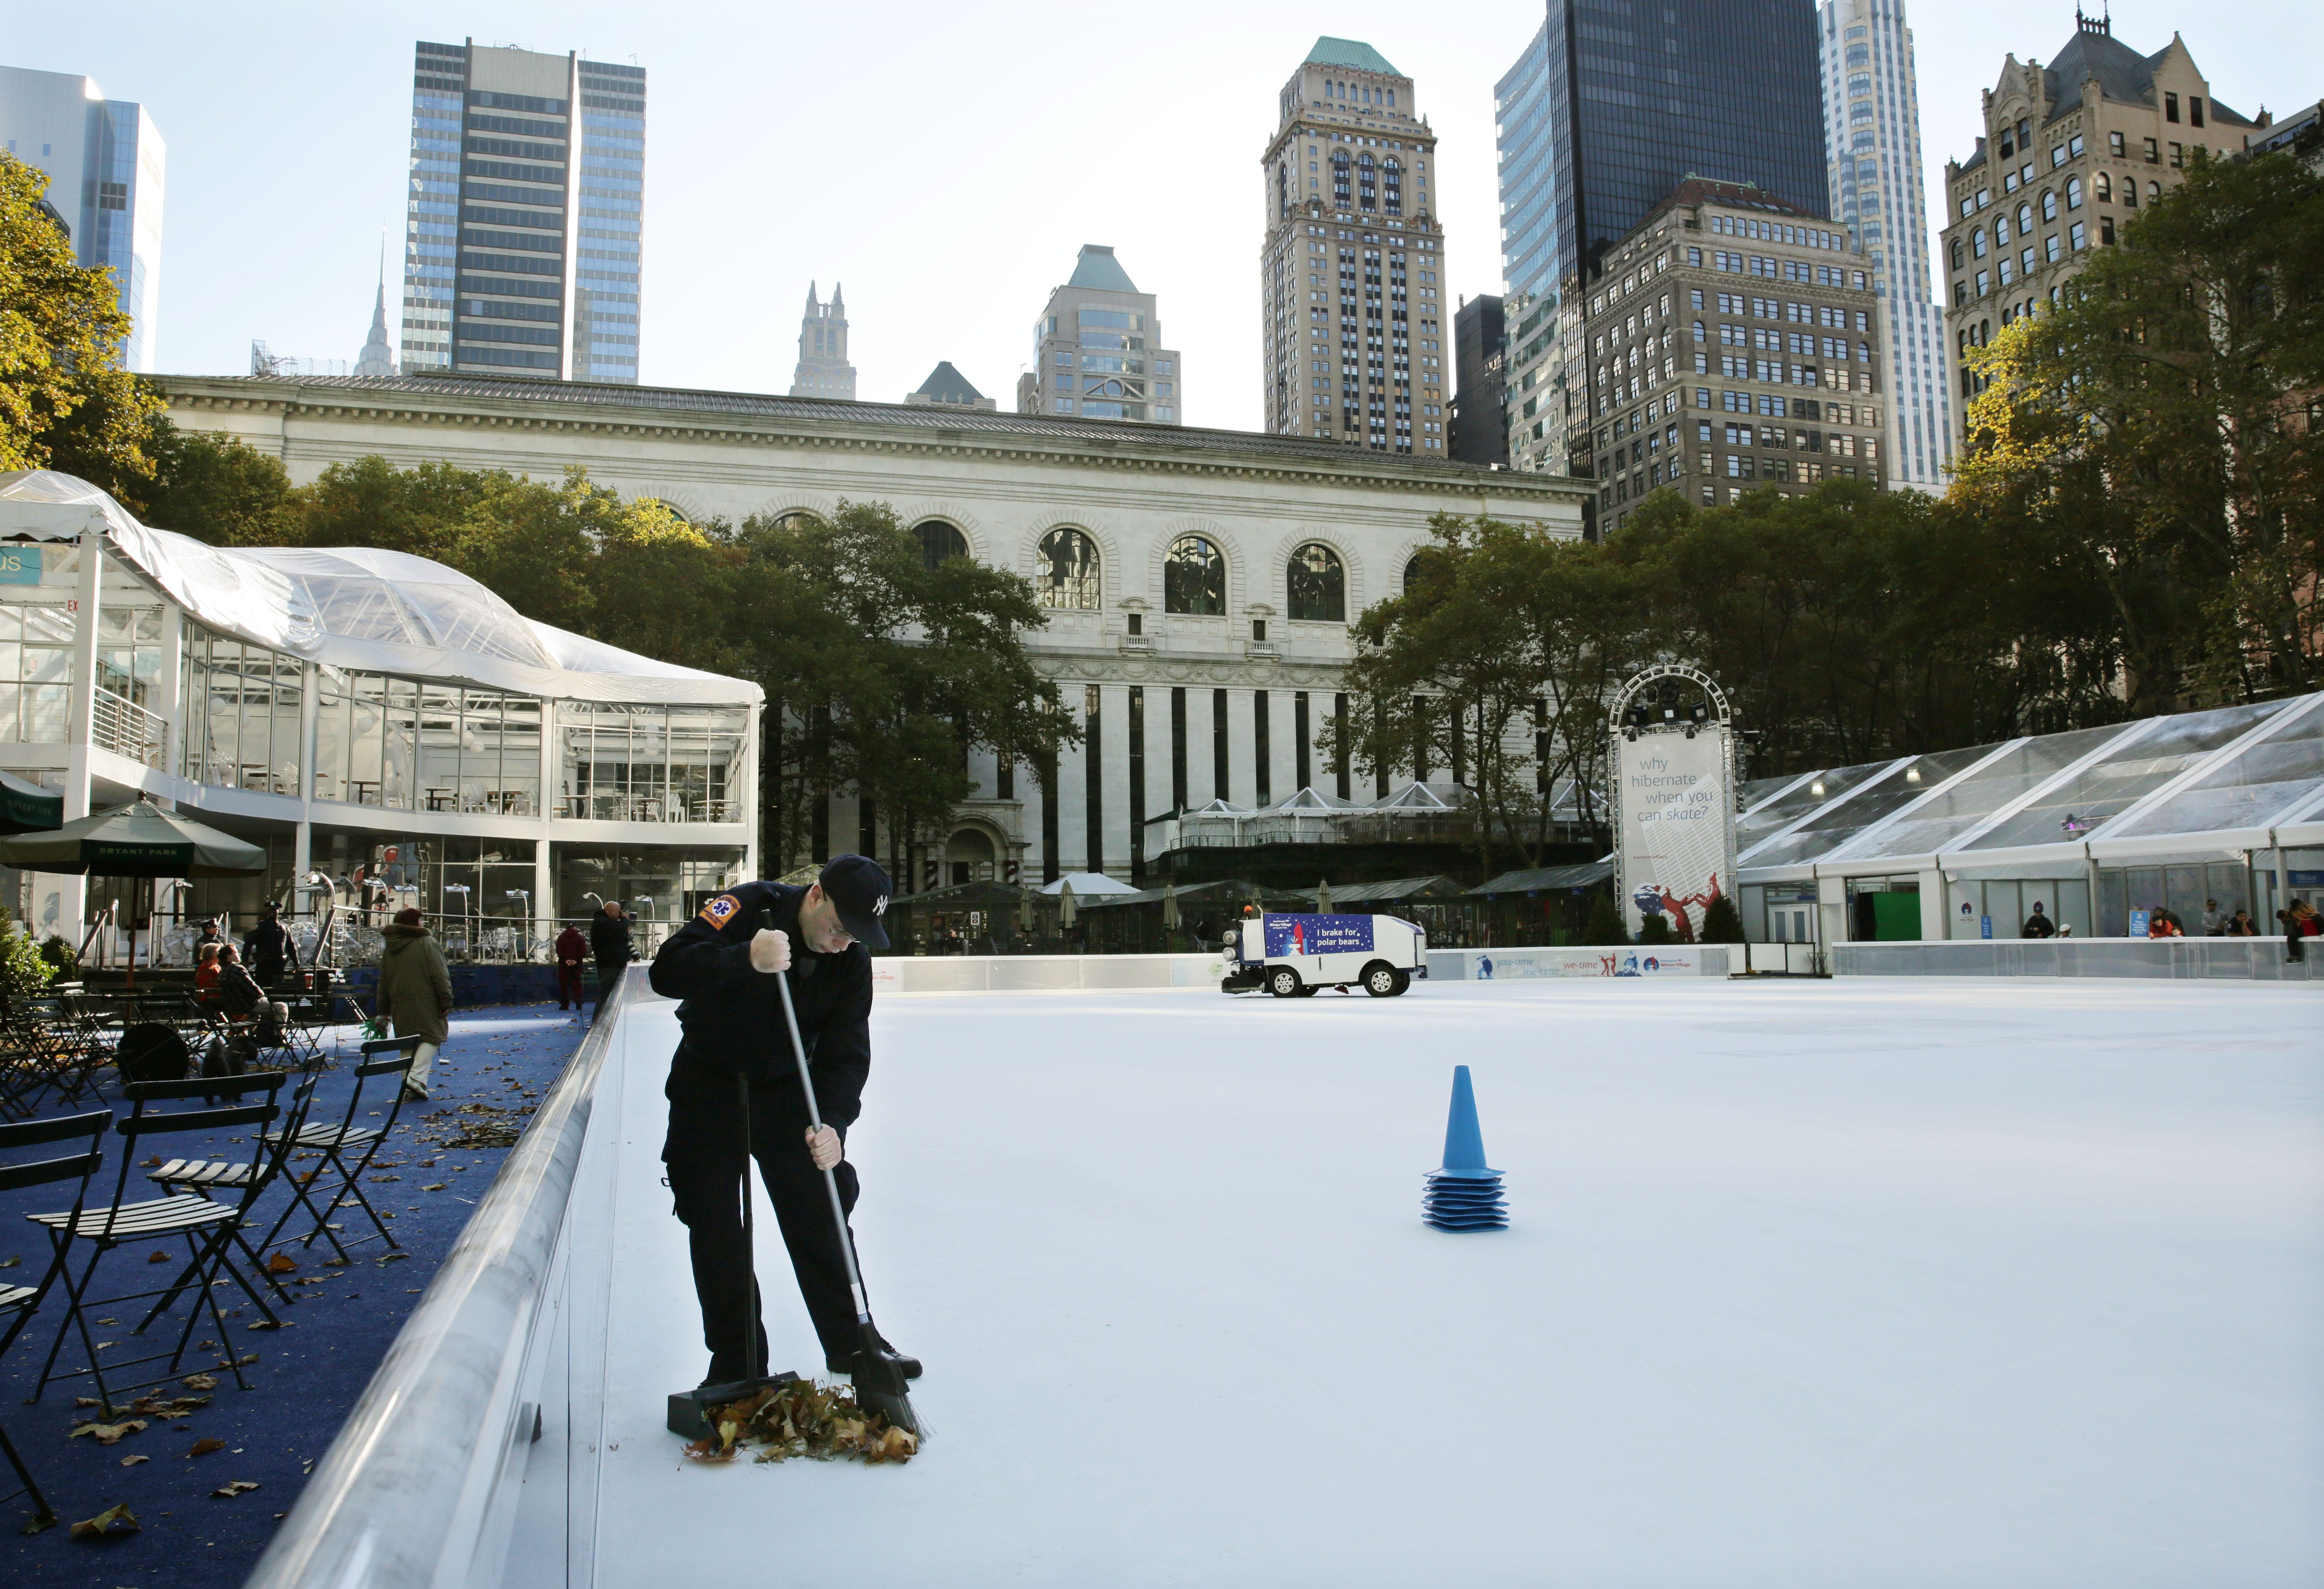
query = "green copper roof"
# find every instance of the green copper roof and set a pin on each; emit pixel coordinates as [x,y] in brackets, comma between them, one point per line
[1350,53]
[1098,268]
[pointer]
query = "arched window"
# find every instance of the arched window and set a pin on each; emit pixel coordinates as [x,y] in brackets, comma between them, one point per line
[2001,231]
[2073,193]
[1195,578]
[2048,203]
[1392,184]
[1317,586]
[1416,571]
[2106,188]
[1067,574]
[1957,253]
[939,541]
[1340,179]
[2025,219]
[1699,334]
[1976,241]
[2153,191]
[1367,181]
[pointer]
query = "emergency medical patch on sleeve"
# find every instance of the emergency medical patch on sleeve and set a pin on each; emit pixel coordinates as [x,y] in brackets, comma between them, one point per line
[721,910]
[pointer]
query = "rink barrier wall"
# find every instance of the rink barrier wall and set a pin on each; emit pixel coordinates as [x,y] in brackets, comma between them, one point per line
[1581,961]
[420,1490]
[2255,960]
[1038,973]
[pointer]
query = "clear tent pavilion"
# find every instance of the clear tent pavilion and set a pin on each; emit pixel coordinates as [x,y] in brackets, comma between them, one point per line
[369,718]
[2176,812]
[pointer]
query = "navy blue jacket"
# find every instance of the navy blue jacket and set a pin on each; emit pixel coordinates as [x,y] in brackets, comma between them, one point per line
[733,1019]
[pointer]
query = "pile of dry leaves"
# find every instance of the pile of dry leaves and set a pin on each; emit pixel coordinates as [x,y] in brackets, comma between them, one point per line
[486,1127]
[800,1418]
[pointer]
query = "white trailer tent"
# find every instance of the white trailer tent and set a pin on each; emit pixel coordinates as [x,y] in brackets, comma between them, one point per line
[352,707]
[2169,811]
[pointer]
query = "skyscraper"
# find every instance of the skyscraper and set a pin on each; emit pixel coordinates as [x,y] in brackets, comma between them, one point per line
[823,371]
[379,353]
[520,259]
[1480,421]
[1872,128]
[1597,122]
[104,162]
[1097,350]
[1351,274]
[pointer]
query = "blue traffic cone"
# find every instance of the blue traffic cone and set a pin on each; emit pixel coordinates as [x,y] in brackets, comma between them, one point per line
[1464,1195]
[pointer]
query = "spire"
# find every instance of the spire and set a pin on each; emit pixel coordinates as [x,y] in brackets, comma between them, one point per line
[378,354]
[838,304]
[810,298]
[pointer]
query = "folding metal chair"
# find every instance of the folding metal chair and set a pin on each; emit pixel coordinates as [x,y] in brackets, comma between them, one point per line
[203,1177]
[18,1303]
[336,1142]
[207,1227]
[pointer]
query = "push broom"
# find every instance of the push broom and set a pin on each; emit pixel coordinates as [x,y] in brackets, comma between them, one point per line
[879,1384]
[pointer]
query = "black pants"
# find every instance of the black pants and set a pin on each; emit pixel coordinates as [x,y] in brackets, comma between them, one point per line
[703,1154]
[608,973]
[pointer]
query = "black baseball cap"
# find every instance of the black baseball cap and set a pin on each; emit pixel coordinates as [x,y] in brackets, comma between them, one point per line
[856,886]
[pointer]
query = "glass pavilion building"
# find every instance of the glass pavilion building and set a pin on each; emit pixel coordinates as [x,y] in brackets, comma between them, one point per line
[2166,813]
[372,718]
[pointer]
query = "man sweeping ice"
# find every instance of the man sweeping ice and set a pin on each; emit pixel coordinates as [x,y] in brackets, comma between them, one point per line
[760,969]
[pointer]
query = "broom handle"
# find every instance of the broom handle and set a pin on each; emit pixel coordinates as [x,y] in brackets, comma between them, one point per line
[753,1368]
[830,1181]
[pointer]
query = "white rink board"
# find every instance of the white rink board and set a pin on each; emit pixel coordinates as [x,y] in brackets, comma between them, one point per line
[1834,1284]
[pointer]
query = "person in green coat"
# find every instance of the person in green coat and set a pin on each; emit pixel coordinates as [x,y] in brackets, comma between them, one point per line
[415,992]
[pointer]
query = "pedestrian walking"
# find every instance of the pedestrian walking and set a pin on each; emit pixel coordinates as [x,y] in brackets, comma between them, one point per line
[415,992]
[268,949]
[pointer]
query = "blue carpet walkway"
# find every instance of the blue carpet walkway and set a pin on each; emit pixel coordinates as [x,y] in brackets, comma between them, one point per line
[308,1376]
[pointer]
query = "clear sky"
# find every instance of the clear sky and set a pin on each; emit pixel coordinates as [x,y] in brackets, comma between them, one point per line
[943,161]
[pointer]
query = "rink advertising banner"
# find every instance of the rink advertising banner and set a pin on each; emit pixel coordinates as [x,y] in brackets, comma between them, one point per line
[1309,934]
[1674,849]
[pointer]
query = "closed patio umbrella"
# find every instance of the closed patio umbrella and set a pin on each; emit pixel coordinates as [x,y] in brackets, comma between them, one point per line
[1065,905]
[1170,906]
[1323,897]
[138,841]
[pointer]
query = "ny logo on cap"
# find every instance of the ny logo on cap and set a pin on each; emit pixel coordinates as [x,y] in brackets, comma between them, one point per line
[880,905]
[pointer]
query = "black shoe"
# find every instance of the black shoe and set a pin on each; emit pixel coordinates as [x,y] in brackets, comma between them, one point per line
[844,1362]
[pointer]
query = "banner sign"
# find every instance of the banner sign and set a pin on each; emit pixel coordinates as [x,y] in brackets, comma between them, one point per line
[20,565]
[1312,934]
[1675,852]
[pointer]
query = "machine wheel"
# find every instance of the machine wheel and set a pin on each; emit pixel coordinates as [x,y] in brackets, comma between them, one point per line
[1310,989]
[1382,980]
[1282,982]
[1403,982]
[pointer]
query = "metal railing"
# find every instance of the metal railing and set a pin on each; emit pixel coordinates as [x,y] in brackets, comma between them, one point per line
[127,729]
[416,1490]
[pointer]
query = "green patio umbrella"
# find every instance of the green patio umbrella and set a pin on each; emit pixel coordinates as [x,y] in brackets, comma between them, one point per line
[138,840]
[28,808]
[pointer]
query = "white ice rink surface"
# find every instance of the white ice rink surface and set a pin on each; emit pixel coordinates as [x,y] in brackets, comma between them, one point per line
[1862,1282]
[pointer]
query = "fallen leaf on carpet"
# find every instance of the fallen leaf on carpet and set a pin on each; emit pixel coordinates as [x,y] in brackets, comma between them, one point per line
[11,1263]
[114,1519]
[152,1163]
[231,1488]
[40,1525]
[133,1461]
[200,1381]
[157,1257]
[282,1263]
[248,1357]
[87,1401]
[438,1186]
[206,1444]
[108,1434]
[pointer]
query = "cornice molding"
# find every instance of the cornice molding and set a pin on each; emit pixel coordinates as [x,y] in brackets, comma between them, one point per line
[1548,495]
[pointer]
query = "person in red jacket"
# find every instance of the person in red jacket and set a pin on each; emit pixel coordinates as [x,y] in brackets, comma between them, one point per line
[572,949]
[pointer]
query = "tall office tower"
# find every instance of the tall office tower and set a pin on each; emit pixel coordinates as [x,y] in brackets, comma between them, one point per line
[823,371]
[1872,131]
[1480,421]
[2070,152]
[1352,272]
[1097,350]
[520,259]
[1597,122]
[104,162]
